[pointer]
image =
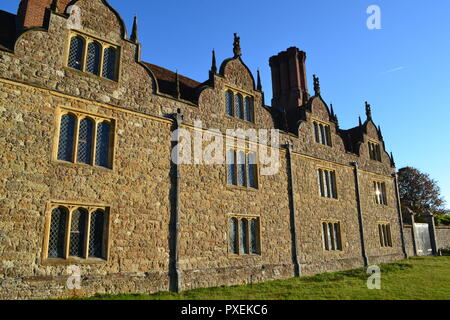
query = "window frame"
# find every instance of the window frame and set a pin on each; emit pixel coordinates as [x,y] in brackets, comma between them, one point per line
[380,198]
[327,183]
[104,44]
[374,150]
[71,208]
[322,133]
[247,153]
[244,95]
[96,119]
[385,234]
[248,245]
[329,237]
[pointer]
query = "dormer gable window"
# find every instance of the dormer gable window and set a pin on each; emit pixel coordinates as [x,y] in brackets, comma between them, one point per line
[374,151]
[239,105]
[93,56]
[322,133]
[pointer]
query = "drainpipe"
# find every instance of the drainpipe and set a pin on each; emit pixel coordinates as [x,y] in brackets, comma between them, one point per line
[414,233]
[297,265]
[360,213]
[432,228]
[400,217]
[175,272]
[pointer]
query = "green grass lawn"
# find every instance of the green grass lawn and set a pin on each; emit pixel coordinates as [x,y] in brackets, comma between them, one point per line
[420,278]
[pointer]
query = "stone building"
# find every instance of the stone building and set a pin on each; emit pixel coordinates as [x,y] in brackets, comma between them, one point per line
[87,177]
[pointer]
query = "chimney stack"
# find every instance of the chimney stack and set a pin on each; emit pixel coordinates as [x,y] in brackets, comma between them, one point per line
[31,13]
[290,88]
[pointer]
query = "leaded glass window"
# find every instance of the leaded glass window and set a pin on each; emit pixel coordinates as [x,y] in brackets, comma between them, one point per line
[231,163]
[109,63]
[238,106]
[233,236]
[58,220]
[249,109]
[102,146]
[254,234]
[97,225]
[66,137]
[331,236]
[77,233]
[241,172]
[252,170]
[76,53]
[93,58]
[243,237]
[327,183]
[229,102]
[85,139]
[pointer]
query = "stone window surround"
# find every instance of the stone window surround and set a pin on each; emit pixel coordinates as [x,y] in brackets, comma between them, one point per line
[336,193]
[332,221]
[87,38]
[259,242]
[81,114]
[244,95]
[327,128]
[376,147]
[71,207]
[257,175]
[385,234]
[380,186]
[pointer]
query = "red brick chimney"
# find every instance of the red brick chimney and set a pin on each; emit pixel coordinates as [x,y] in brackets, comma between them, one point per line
[290,88]
[31,13]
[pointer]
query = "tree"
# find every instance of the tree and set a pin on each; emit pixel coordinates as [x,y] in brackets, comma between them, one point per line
[420,193]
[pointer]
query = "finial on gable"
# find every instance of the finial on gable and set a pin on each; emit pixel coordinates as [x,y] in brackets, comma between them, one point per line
[214,63]
[360,122]
[392,160]
[368,111]
[134,32]
[316,85]
[379,132]
[177,86]
[54,6]
[259,85]
[333,115]
[237,46]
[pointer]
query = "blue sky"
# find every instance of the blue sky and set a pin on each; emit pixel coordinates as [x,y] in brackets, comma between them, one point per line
[403,69]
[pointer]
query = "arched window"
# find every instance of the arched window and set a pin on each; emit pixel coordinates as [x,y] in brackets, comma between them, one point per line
[109,63]
[85,139]
[252,170]
[229,102]
[66,137]
[93,58]
[77,233]
[57,233]
[76,53]
[97,225]
[241,172]
[243,239]
[233,234]
[238,106]
[231,163]
[249,109]
[254,232]
[102,147]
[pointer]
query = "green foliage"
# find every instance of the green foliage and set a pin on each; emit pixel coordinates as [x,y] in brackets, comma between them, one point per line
[443,220]
[419,192]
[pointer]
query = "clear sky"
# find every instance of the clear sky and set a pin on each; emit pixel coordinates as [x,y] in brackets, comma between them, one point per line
[403,70]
